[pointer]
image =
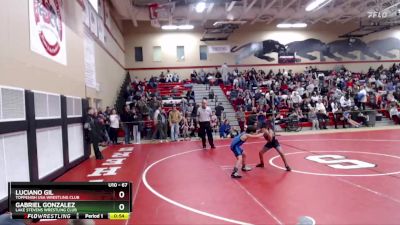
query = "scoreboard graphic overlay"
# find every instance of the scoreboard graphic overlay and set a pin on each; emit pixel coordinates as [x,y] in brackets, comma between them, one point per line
[70,200]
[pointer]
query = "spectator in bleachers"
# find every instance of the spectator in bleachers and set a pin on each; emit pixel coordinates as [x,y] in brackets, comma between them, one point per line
[224,73]
[202,76]
[154,104]
[94,132]
[175,77]
[185,128]
[142,106]
[321,114]
[362,98]
[394,113]
[214,122]
[296,99]
[160,124]
[236,82]
[193,114]
[224,129]
[241,117]
[219,109]
[337,114]
[126,123]
[114,126]
[362,118]
[261,119]
[190,96]
[137,124]
[194,77]
[184,106]
[248,101]
[252,119]
[169,77]
[312,116]
[348,119]
[174,118]
[189,109]
[345,101]
[262,102]
[153,82]
[162,78]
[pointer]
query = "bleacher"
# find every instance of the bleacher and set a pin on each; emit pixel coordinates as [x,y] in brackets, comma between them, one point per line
[285,112]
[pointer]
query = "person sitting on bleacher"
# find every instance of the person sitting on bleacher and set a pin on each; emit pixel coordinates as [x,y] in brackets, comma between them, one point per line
[312,116]
[321,114]
[224,129]
[162,78]
[348,119]
[345,101]
[169,77]
[194,77]
[394,113]
[185,127]
[337,114]
[153,82]
[175,77]
[190,96]
[214,122]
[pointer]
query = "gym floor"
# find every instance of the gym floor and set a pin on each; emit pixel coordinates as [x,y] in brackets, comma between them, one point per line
[336,178]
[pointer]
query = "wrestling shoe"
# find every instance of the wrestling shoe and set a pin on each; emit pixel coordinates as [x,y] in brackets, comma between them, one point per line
[246,168]
[260,165]
[236,175]
[288,169]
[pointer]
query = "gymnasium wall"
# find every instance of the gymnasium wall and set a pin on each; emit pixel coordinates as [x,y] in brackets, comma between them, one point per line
[147,37]
[21,67]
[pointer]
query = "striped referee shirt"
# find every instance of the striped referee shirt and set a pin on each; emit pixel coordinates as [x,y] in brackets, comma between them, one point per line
[204,115]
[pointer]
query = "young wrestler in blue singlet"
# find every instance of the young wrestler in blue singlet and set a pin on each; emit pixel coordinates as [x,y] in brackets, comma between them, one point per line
[236,144]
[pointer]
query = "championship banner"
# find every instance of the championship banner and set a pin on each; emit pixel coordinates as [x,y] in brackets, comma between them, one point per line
[216,49]
[47,29]
[93,21]
[100,29]
[90,62]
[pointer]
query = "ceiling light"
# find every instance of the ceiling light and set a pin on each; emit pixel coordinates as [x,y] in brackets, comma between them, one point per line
[291,25]
[200,7]
[169,27]
[284,25]
[230,16]
[299,25]
[316,4]
[186,27]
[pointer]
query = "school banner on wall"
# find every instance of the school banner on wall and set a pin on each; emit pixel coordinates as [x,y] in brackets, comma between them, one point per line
[215,49]
[47,29]
[90,62]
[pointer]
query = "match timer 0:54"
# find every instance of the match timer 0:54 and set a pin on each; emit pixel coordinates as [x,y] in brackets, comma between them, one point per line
[70,200]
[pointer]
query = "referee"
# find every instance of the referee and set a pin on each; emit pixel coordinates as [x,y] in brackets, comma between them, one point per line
[204,117]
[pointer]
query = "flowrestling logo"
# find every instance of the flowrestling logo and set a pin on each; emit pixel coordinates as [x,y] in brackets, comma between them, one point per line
[47,29]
